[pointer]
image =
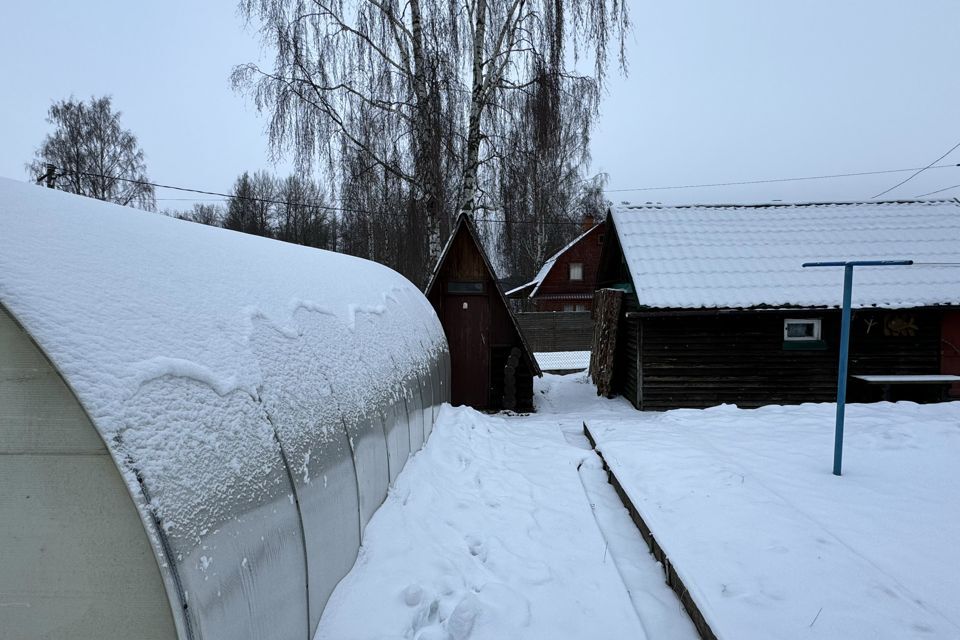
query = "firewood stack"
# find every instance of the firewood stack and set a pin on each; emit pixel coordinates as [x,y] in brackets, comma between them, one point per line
[606,314]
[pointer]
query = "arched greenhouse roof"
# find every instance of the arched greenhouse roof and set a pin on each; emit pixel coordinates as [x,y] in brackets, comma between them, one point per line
[256,396]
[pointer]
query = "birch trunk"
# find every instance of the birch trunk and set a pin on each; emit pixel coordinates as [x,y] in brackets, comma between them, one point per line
[477,98]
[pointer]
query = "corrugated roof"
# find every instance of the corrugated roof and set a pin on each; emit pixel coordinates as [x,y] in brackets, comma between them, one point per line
[736,256]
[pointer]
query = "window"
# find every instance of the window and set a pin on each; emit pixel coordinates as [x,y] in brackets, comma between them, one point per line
[576,271]
[579,306]
[459,286]
[795,330]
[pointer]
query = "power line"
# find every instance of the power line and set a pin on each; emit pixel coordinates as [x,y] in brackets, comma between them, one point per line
[308,205]
[769,180]
[930,193]
[219,197]
[919,171]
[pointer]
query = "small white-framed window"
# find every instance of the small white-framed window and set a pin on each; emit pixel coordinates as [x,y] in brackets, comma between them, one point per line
[576,271]
[798,329]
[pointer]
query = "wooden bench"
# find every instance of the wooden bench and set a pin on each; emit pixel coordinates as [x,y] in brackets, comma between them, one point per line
[944,380]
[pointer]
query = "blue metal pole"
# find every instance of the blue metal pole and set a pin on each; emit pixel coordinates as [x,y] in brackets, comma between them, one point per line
[842,369]
[845,341]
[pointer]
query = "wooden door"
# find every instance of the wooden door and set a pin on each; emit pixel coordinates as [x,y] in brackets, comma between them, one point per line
[467,320]
[950,349]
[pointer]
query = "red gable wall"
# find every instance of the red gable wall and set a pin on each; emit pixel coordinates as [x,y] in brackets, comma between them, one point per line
[557,290]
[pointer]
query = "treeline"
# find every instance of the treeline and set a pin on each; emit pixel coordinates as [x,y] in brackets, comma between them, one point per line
[382,226]
[293,209]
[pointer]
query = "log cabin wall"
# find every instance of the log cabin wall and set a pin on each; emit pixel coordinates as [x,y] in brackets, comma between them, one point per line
[741,358]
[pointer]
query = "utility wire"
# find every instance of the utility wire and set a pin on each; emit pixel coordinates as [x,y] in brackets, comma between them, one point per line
[930,193]
[226,196]
[308,205]
[767,181]
[919,171]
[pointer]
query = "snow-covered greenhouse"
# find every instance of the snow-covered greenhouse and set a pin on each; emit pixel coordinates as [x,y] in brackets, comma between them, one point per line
[195,424]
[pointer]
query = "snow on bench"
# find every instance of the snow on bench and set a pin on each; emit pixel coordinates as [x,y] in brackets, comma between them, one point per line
[909,379]
[889,380]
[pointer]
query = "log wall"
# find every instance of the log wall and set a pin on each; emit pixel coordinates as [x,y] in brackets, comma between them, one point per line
[702,361]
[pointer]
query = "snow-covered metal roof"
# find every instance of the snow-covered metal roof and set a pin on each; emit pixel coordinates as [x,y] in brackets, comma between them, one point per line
[548,265]
[737,256]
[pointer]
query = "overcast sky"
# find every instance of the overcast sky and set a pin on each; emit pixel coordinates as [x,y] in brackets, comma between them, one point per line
[717,91]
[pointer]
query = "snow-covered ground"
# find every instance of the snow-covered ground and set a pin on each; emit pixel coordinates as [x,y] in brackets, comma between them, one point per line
[504,527]
[772,545]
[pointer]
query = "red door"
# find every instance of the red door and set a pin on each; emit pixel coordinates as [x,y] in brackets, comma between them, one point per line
[467,320]
[950,348]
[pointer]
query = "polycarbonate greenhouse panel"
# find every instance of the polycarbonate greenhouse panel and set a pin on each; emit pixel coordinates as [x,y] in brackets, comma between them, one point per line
[224,506]
[370,459]
[329,508]
[414,412]
[398,435]
[257,397]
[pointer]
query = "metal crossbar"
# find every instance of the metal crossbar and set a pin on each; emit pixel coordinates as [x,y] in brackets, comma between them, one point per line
[845,341]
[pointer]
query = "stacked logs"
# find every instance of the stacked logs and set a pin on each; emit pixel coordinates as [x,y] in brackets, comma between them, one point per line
[606,315]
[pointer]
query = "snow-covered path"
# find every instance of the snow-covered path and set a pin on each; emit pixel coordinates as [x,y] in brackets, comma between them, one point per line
[505,527]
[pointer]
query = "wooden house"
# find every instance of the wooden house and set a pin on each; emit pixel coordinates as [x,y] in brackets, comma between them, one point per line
[567,279]
[491,366]
[711,304]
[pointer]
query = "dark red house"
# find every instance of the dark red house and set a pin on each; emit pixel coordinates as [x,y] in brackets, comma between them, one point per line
[491,367]
[566,281]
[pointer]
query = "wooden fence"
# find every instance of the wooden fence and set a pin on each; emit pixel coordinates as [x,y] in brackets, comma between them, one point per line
[557,330]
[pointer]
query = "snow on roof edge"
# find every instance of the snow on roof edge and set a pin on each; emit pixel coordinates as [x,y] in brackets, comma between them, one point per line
[548,265]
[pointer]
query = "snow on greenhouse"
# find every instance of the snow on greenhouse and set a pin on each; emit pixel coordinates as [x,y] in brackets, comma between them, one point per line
[196,424]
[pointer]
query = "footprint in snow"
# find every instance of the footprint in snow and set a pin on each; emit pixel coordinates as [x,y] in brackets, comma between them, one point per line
[477,548]
[412,595]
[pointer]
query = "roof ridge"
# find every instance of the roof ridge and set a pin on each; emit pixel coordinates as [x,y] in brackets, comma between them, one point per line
[783,205]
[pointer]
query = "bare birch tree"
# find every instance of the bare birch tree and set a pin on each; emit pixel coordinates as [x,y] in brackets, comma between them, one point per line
[412,93]
[93,154]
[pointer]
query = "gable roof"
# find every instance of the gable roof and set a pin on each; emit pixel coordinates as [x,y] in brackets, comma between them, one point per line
[548,265]
[736,256]
[465,225]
